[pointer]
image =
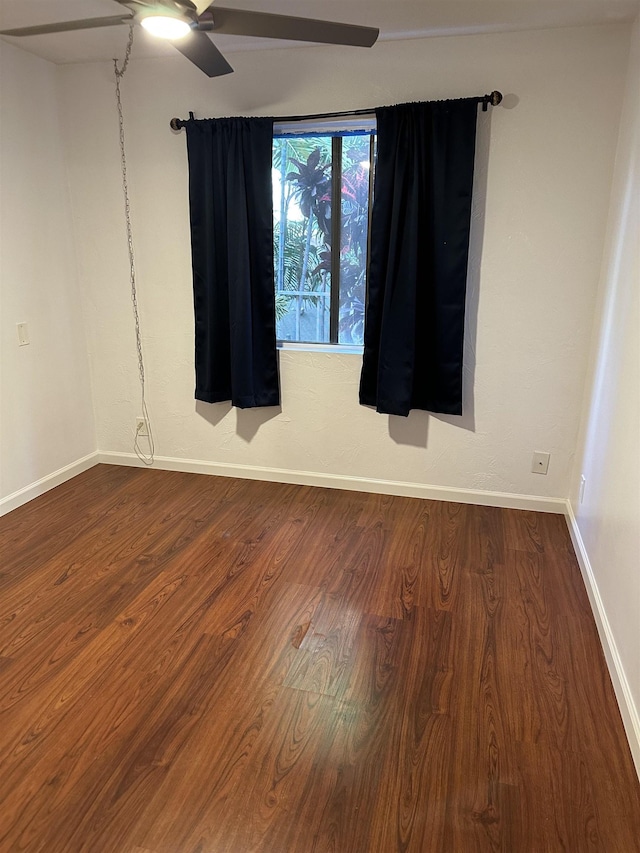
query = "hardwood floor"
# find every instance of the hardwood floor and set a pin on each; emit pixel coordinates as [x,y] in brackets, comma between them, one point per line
[192,664]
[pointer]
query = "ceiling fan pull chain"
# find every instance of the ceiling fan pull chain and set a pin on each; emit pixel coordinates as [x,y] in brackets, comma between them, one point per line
[127,54]
[147,458]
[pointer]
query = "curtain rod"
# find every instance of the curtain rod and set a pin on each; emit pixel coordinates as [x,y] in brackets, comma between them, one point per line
[493,99]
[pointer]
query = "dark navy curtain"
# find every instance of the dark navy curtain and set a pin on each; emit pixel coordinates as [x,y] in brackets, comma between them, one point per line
[414,329]
[230,201]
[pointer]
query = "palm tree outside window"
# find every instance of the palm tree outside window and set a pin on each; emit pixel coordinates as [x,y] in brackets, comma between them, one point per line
[320,248]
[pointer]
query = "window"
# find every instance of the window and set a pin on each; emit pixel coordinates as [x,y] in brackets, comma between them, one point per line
[321,294]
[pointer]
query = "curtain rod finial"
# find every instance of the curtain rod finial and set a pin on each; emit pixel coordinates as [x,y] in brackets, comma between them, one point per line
[175,124]
[494,99]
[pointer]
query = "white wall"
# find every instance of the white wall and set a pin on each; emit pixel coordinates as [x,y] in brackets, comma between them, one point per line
[609,516]
[46,414]
[544,172]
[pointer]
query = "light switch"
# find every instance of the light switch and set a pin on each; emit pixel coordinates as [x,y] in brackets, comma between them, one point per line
[23,334]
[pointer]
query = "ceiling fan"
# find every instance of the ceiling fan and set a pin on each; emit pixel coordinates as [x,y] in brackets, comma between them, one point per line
[187,22]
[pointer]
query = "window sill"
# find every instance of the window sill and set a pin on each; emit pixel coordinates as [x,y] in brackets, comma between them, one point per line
[342,349]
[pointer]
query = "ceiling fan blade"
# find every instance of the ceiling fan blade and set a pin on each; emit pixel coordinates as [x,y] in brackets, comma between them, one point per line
[159,7]
[199,48]
[201,5]
[239,22]
[68,26]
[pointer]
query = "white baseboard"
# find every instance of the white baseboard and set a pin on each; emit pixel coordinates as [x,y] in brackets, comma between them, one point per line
[628,710]
[339,481]
[34,490]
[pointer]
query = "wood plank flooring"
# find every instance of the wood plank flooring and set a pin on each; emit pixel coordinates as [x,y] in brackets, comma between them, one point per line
[192,664]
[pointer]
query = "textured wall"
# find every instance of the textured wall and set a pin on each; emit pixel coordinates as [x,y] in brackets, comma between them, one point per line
[46,410]
[609,517]
[544,170]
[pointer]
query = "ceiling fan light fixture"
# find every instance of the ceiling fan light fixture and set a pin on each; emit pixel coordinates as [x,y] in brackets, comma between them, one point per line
[166,26]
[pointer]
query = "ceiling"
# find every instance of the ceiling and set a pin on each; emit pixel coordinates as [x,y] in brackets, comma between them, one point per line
[397,19]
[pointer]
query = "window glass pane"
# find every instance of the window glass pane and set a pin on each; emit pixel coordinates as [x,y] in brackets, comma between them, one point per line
[302,233]
[353,238]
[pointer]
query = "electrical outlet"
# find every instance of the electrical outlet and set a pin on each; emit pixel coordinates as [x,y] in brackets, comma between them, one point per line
[540,463]
[141,427]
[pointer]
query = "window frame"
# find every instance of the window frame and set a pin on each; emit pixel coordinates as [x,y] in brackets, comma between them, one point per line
[337,128]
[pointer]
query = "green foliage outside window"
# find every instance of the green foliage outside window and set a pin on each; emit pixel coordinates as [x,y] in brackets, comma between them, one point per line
[303,211]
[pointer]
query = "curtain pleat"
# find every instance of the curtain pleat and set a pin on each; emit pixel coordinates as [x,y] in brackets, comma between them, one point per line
[230,201]
[414,329]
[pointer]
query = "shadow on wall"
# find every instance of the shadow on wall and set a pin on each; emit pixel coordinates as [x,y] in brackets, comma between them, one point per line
[213,413]
[248,421]
[412,431]
[510,101]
